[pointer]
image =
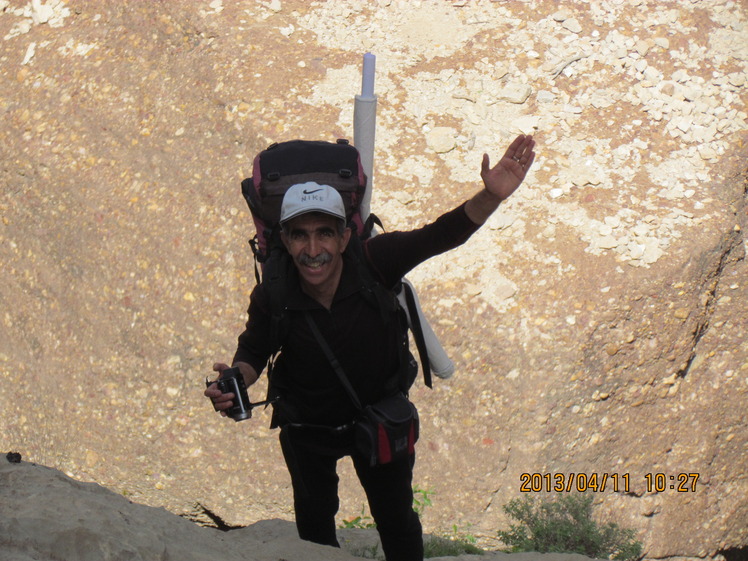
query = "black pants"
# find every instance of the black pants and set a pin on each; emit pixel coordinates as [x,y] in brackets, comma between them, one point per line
[312,455]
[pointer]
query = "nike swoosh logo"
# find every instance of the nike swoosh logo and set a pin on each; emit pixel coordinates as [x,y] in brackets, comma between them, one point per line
[311,192]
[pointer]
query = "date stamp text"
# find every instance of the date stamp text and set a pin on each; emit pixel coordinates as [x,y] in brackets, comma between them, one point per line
[604,481]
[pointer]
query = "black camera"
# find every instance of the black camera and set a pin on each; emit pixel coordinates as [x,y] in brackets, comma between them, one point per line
[232,381]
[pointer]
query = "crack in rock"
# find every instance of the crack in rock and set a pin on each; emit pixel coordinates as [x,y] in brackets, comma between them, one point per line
[204,516]
[727,256]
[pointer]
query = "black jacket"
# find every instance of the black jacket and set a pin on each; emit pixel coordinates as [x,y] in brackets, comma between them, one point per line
[367,347]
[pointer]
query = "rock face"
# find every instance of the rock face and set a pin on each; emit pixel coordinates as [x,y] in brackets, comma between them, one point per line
[598,321]
[47,516]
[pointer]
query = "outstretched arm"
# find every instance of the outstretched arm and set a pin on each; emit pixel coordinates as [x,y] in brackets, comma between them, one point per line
[500,181]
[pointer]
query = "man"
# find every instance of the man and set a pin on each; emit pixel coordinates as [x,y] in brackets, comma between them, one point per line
[314,412]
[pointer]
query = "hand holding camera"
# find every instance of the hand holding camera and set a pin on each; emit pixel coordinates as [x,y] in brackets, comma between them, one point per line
[229,393]
[233,400]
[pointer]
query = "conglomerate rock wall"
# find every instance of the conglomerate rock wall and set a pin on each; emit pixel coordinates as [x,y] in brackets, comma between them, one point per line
[597,322]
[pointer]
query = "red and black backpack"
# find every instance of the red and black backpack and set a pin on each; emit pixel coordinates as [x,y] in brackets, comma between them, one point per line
[285,164]
[337,164]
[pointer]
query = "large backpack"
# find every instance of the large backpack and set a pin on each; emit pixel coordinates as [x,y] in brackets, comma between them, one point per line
[284,164]
[337,164]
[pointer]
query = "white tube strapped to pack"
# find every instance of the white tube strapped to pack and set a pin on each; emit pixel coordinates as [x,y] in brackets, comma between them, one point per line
[364,129]
[365,126]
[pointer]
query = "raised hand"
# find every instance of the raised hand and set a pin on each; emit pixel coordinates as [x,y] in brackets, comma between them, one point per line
[504,178]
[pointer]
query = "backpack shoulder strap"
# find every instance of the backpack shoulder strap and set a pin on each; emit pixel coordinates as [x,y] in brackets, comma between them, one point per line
[275,280]
[417,329]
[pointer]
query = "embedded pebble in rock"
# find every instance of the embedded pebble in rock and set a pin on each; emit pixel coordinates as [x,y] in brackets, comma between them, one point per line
[572,25]
[515,93]
[441,139]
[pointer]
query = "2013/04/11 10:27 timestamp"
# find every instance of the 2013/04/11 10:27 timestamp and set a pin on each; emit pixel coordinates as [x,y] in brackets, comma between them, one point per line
[600,482]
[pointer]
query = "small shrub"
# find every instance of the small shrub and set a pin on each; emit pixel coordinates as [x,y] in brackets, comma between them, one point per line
[565,525]
[451,545]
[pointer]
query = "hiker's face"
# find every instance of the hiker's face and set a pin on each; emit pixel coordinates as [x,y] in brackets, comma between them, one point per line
[317,248]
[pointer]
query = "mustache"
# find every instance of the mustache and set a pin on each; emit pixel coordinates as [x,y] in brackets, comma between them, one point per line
[321,259]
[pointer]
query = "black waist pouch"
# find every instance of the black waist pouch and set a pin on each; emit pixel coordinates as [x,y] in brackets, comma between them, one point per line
[387,431]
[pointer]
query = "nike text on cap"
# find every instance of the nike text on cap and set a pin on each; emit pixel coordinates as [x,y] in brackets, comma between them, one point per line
[311,197]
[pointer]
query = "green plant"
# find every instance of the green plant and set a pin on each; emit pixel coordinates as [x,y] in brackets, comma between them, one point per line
[445,545]
[421,499]
[564,524]
[463,534]
[362,521]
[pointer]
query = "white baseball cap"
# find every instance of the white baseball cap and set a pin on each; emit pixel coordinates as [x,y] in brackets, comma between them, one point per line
[311,197]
